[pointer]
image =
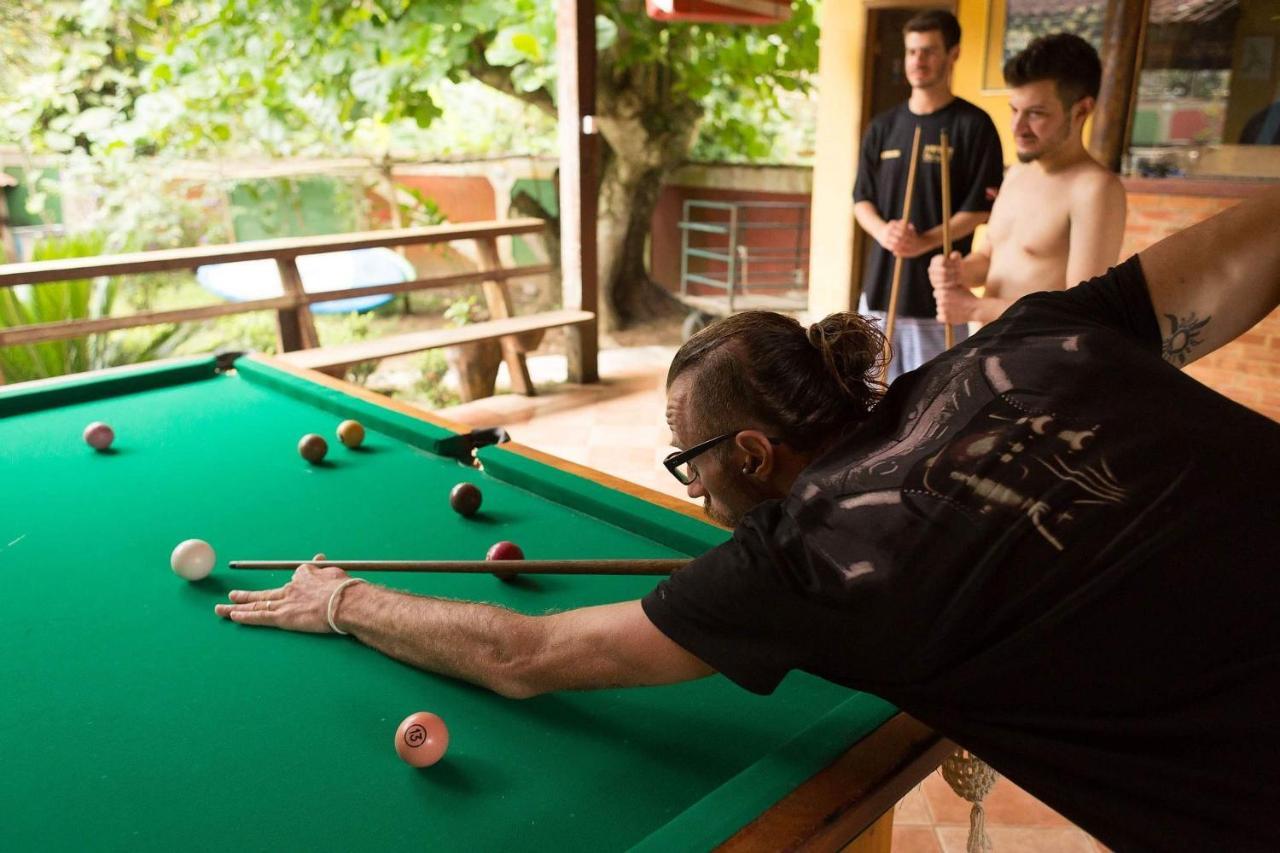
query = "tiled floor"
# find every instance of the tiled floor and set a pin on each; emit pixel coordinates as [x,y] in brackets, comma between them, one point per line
[619,427]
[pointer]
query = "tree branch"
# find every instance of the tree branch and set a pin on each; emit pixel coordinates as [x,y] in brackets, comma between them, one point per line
[497,77]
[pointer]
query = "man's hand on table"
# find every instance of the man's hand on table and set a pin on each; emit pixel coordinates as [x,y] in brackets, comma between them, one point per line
[300,605]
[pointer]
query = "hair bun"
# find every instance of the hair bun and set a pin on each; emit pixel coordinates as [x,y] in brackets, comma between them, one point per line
[852,349]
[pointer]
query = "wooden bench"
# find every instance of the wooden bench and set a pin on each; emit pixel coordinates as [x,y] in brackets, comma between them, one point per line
[335,359]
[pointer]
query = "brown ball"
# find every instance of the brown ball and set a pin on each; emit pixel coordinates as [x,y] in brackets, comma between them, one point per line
[465,499]
[351,433]
[312,448]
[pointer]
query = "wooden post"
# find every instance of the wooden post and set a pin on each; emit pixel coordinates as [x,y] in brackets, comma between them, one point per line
[297,329]
[945,151]
[498,298]
[579,155]
[387,179]
[1122,38]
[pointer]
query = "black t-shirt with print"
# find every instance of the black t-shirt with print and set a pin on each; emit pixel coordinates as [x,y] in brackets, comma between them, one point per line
[1053,547]
[977,168]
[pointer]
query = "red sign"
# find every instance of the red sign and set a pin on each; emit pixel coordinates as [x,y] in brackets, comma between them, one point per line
[720,11]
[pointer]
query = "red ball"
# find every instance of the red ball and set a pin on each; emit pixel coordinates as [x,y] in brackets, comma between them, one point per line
[505,551]
[421,740]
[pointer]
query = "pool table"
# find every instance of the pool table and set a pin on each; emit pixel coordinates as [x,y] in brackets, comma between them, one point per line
[133,718]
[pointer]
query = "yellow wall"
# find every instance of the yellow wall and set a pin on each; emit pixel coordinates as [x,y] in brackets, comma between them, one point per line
[967,81]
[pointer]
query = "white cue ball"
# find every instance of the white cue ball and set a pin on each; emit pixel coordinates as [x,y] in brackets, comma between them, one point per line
[192,560]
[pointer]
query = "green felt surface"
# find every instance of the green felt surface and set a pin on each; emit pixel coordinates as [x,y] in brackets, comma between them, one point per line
[135,719]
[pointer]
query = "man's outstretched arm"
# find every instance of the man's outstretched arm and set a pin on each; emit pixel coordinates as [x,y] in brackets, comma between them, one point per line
[519,656]
[1212,282]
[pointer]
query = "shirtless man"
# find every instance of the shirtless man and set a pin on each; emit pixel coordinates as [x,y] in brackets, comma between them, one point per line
[1059,218]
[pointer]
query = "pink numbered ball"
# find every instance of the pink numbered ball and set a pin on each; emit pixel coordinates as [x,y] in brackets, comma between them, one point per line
[422,739]
[98,435]
[505,551]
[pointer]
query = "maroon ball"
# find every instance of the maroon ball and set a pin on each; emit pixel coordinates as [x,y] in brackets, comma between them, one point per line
[312,448]
[505,551]
[465,499]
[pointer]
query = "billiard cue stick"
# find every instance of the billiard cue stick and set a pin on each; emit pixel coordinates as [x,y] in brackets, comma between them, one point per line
[944,144]
[480,567]
[897,260]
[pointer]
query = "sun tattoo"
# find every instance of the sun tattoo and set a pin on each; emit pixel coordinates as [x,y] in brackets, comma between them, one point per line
[1184,335]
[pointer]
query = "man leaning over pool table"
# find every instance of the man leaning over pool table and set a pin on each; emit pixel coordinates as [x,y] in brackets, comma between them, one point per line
[1048,543]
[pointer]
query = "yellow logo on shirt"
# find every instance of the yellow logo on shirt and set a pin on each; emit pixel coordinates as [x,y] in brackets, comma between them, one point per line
[933,154]
[891,154]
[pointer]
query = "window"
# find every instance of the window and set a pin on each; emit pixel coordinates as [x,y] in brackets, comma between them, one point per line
[1208,100]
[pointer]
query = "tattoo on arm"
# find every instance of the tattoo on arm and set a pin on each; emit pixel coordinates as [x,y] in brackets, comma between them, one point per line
[1184,335]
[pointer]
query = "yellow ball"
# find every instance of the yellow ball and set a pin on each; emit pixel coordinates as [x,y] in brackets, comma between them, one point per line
[351,433]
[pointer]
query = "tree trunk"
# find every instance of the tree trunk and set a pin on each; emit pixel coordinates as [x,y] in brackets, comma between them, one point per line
[628,197]
[641,154]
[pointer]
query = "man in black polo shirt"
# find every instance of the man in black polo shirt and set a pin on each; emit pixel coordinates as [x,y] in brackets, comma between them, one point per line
[977,165]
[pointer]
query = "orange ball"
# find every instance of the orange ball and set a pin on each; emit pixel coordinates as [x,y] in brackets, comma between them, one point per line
[422,739]
[351,433]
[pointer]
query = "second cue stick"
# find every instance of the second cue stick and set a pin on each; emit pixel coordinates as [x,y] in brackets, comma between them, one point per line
[897,260]
[481,567]
[945,146]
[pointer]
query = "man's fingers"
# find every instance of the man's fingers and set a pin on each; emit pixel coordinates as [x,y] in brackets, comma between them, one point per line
[243,596]
[246,616]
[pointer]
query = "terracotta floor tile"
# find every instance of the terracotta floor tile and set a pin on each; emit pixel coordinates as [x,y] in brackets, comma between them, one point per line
[913,809]
[562,434]
[647,412]
[1011,839]
[915,839]
[631,437]
[625,462]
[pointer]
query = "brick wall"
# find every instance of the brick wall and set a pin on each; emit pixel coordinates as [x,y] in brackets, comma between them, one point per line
[1246,370]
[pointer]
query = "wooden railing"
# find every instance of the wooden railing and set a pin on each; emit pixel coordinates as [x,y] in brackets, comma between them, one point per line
[296,328]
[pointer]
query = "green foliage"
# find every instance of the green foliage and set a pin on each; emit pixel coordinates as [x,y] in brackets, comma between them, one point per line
[417,208]
[430,387]
[82,299]
[253,332]
[465,310]
[116,84]
[319,77]
[296,207]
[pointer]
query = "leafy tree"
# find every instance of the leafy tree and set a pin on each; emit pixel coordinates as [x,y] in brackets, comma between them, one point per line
[309,77]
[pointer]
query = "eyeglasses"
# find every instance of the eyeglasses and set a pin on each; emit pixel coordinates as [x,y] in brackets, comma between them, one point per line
[680,463]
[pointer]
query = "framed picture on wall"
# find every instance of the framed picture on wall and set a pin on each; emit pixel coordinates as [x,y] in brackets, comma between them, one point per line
[1013,24]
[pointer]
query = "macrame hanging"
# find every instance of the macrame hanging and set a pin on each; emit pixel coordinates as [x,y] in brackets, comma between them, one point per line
[971,778]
